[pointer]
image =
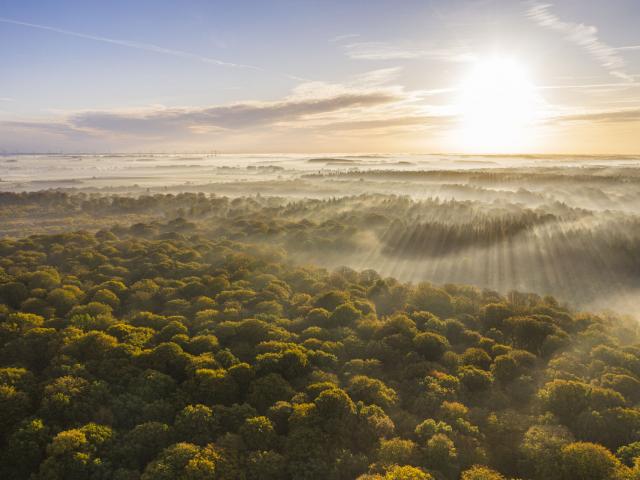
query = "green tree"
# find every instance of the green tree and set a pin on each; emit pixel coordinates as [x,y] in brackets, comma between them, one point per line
[475,379]
[196,424]
[24,449]
[258,433]
[78,454]
[430,345]
[479,472]
[406,472]
[267,390]
[565,398]
[265,465]
[541,450]
[185,461]
[397,451]
[143,443]
[344,315]
[589,461]
[441,453]
[431,299]
[371,391]
[14,405]
[629,453]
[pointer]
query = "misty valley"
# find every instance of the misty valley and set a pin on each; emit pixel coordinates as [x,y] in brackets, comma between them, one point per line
[562,226]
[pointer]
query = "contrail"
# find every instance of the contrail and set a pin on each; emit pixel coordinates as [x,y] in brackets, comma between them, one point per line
[149,47]
[585,36]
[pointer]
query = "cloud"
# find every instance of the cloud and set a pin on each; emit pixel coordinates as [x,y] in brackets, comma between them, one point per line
[375,78]
[149,47]
[160,123]
[425,121]
[605,116]
[58,128]
[592,86]
[391,51]
[346,36]
[236,116]
[628,48]
[585,36]
[366,104]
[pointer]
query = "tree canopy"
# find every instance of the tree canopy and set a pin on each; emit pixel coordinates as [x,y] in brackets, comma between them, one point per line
[154,351]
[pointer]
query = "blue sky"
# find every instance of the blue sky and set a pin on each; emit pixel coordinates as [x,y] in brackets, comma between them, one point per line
[271,76]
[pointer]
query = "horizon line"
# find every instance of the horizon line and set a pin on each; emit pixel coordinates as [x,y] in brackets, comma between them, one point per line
[216,153]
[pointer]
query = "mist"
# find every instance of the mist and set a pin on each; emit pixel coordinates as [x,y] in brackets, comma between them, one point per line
[566,226]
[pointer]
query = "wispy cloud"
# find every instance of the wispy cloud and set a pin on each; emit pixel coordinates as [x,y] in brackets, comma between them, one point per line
[367,103]
[628,48]
[374,78]
[149,47]
[236,116]
[57,128]
[401,51]
[585,36]
[166,123]
[594,87]
[341,38]
[603,116]
[389,123]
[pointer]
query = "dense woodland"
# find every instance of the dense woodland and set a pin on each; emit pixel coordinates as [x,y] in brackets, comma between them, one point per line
[173,350]
[578,255]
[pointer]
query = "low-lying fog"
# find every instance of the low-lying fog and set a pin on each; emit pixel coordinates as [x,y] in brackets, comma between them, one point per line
[567,226]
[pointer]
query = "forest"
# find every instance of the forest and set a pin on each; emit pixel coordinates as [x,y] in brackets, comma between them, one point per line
[320,240]
[587,257]
[182,337]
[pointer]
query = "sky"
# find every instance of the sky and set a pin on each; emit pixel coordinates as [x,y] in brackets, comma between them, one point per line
[429,76]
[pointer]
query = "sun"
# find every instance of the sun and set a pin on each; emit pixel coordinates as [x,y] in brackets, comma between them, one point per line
[497,105]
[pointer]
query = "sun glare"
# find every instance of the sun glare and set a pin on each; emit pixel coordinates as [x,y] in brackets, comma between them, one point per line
[496,106]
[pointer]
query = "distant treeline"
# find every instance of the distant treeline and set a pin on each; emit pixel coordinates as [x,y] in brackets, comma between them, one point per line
[524,176]
[577,254]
